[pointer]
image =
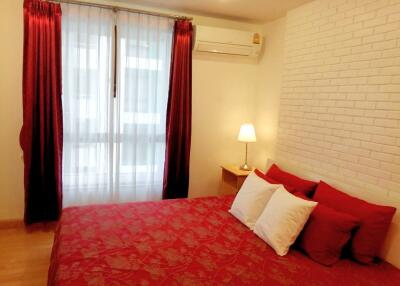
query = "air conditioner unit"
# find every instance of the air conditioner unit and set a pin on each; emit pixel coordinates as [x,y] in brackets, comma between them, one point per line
[227,41]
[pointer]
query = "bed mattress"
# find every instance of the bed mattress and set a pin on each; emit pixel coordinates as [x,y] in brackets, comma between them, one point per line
[184,242]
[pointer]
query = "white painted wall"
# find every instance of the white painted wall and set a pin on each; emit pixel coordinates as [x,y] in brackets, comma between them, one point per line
[223,95]
[266,104]
[224,90]
[11,165]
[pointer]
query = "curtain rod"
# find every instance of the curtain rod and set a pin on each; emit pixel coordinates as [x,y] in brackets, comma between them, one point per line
[118,8]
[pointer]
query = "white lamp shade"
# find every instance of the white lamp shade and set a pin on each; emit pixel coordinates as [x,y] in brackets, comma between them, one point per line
[247,133]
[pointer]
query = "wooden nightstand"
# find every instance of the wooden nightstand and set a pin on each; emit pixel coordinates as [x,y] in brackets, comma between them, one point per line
[232,179]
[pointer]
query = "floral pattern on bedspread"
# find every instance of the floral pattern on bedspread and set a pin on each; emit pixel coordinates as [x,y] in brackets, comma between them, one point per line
[184,242]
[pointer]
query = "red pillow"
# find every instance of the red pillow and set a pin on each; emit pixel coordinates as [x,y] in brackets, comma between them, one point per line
[326,233]
[300,185]
[272,181]
[375,220]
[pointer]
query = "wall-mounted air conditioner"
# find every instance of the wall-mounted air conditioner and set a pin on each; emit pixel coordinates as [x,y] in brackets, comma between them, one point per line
[227,41]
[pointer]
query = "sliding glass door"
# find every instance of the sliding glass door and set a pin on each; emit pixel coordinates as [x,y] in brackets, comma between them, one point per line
[114,142]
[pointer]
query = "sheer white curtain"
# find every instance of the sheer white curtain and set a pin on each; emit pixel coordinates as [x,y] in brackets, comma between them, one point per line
[113,147]
[87,34]
[144,53]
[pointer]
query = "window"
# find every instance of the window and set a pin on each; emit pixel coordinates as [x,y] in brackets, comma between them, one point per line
[114,146]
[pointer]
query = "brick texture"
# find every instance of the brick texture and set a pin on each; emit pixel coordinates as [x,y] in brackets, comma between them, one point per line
[340,99]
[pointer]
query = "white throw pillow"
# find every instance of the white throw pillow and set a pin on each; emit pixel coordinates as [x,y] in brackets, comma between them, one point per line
[282,220]
[251,199]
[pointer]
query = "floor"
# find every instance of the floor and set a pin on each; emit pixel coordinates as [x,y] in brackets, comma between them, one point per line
[25,255]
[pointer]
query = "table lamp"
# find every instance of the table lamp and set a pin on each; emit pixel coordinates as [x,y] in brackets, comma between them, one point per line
[246,135]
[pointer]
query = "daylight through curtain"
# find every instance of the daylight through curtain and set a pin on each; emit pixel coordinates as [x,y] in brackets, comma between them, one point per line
[114,146]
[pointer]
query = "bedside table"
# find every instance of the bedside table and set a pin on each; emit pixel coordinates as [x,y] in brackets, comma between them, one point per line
[232,179]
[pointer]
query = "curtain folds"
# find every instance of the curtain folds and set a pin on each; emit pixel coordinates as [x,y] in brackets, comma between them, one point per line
[41,136]
[179,114]
[87,40]
[144,57]
[114,146]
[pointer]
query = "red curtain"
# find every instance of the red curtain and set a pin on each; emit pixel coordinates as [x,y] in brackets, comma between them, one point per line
[179,114]
[41,134]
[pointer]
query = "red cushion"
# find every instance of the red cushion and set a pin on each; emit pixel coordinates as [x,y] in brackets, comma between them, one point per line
[300,185]
[272,181]
[326,233]
[375,220]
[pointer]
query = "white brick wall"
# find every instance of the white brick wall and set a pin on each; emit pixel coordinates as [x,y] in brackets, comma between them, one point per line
[340,99]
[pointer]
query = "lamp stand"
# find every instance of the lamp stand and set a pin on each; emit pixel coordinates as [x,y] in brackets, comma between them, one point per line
[245,167]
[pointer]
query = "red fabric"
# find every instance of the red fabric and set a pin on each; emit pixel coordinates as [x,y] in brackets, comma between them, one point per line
[326,233]
[184,242]
[300,185]
[272,181]
[41,134]
[179,114]
[375,220]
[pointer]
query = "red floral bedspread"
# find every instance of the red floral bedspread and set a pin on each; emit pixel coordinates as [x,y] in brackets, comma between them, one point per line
[184,242]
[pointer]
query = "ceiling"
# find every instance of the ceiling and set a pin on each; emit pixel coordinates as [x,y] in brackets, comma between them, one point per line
[247,10]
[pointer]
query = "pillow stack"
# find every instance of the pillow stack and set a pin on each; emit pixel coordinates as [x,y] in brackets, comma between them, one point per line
[288,188]
[276,215]
[374,221]
[277,207]
[326,233]
[300,185]
[251,199]
[282,220]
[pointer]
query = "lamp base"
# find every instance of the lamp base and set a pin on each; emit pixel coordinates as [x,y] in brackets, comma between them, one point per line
[245,167]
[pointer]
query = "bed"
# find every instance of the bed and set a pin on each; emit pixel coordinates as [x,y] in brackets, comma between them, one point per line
[184,242]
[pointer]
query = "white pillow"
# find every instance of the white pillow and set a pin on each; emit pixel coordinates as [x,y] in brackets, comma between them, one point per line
[251,199]
[282,220]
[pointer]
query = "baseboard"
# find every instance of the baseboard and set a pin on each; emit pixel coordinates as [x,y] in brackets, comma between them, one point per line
[11,223]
